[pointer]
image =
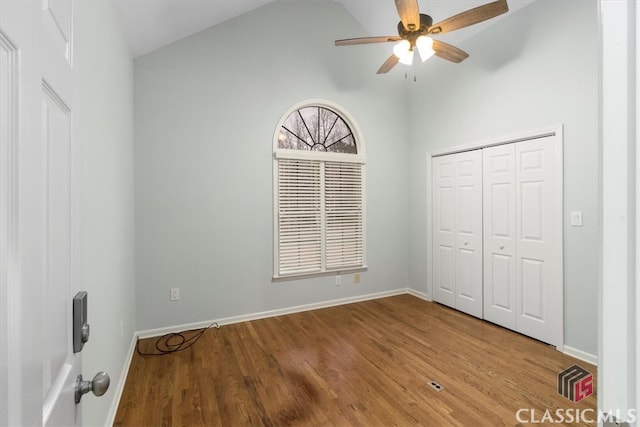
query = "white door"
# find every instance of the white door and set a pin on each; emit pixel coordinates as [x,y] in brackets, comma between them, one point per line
[523,237]
[457,244]
[539,238]
[468,242]
[499,204]
[444,223]
[38,38]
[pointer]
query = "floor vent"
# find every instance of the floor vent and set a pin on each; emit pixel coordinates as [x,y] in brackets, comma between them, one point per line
[436,386]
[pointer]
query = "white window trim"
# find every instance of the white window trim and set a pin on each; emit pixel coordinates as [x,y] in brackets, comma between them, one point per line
[280,153]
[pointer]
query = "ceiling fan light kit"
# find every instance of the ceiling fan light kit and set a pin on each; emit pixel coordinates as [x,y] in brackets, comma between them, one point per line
[414,29]
[404,51]
[425,47]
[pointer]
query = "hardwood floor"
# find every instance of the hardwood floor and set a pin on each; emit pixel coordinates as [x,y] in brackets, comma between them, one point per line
[367,364]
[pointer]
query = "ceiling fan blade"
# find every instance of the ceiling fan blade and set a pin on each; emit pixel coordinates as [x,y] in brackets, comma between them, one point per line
[388,65]
[449,52]
[470,17]
[367,40]
[409,14]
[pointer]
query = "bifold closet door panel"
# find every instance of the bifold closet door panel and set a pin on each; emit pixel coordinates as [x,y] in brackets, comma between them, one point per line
[444,221]
[468,232]
[499,201]
[539,236]
[457,231]
[522,209]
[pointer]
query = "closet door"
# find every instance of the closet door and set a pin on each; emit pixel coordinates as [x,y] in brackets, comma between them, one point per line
[444,223]
[499,202]
[522,208]
[539,238]
[468,232]
[457,214]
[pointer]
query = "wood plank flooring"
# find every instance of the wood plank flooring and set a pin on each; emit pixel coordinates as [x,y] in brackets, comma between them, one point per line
[366,364]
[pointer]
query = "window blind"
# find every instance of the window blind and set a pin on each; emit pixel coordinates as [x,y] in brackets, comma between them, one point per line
[320,216]
[343,207]
[299,217]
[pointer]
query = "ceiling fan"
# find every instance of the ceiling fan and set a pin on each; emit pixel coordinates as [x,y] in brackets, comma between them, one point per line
[415,28]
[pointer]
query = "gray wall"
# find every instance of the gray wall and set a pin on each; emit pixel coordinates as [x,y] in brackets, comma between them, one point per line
[534,70]
[206,108]
[105,88]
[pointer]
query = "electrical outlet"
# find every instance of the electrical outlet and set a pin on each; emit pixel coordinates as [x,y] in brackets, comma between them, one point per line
[338,280]
[175,294]
[356,278]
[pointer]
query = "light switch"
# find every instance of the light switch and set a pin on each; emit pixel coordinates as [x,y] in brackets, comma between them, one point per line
[576,218]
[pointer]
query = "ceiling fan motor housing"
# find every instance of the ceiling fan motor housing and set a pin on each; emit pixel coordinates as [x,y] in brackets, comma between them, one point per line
[425,23]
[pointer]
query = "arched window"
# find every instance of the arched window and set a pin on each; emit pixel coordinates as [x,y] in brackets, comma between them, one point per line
[316,128]
[319,192]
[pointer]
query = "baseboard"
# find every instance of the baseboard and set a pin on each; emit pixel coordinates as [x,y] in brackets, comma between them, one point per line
[115,402]
[582,355]
[418,294]
[271,313]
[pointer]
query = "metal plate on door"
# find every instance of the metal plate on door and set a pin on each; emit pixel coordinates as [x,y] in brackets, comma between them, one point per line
[80,325]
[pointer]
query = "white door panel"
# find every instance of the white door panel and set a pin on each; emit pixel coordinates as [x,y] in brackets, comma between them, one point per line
[58,285]
[444,241]
[444,226]
[538,213]
[533,289]
[499,235]
[9,286]
[532,207]
[41,32]
[22,255]
[445,275]
[523,237]
[499,290]
[457,231]
[465,279]
[466,217]
[468,184]
[447,217]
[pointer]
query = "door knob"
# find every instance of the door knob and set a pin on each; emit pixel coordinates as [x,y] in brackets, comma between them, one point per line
[466,243]
[501,247]
[99,385]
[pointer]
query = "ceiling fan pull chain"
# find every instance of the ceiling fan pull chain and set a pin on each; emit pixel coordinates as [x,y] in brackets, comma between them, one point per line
[406,77]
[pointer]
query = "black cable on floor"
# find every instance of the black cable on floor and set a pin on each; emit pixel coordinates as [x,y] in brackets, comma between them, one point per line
[164,344]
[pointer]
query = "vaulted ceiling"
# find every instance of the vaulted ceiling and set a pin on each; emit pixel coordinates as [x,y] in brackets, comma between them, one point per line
[152,24]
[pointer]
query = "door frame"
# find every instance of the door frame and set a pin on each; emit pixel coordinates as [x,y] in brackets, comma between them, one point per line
[555,131]
[619,294]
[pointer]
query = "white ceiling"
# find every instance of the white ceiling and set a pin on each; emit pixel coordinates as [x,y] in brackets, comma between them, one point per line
[152,24]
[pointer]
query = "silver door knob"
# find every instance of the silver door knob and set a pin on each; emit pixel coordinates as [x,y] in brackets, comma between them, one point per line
[466,243]
[501,247]
[99,385]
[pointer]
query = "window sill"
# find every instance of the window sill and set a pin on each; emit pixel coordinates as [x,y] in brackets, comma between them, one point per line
[318,274]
